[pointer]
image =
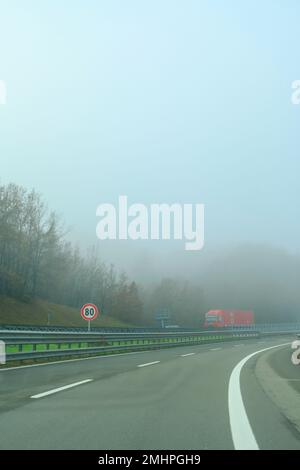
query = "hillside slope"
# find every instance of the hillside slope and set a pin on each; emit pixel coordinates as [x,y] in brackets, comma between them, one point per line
[14,312]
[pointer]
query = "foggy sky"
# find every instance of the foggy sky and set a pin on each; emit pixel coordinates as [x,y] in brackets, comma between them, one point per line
[169,101]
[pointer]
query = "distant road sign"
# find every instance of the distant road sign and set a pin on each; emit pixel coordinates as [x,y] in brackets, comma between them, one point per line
[162,315]
[89,312]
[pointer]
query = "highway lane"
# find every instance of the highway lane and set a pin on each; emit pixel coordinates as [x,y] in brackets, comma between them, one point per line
[177,400]
[16,384]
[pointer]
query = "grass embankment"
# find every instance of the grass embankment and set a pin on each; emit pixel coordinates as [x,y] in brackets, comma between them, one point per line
[14,312]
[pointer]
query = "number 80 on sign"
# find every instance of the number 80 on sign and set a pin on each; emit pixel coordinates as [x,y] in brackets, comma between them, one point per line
[89,312]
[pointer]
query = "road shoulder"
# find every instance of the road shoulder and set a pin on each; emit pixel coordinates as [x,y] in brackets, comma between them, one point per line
[280,380]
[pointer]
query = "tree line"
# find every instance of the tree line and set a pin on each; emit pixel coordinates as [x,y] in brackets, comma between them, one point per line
[257,277]
[36,261]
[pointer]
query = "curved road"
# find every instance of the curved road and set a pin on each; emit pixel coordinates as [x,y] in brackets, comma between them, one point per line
[178,398]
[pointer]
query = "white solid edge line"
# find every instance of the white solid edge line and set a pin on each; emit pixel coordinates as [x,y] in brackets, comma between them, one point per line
[189,354]
[72,360]
[148,364]
[241,431]
[60,389]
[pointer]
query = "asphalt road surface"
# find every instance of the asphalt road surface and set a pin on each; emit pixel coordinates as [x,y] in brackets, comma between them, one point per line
[196,397]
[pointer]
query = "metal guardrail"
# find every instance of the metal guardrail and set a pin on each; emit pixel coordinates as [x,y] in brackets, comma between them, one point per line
[61,329]
[75,329]
[44,344]
[24,346]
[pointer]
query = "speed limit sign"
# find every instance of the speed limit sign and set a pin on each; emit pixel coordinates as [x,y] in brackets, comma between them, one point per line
[89,312]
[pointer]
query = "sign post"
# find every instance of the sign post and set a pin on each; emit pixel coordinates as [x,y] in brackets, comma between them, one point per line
[89,312]
[163,315]
[49,315]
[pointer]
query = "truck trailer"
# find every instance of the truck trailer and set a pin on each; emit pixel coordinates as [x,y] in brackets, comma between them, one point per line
[228,318]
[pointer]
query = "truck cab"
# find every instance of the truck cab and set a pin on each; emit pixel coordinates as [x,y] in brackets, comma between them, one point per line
[214,319]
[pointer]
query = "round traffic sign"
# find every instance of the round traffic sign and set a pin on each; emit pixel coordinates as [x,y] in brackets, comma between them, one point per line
[89,311]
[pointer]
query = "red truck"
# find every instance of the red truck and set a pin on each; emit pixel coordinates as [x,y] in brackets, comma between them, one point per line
[228,318]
